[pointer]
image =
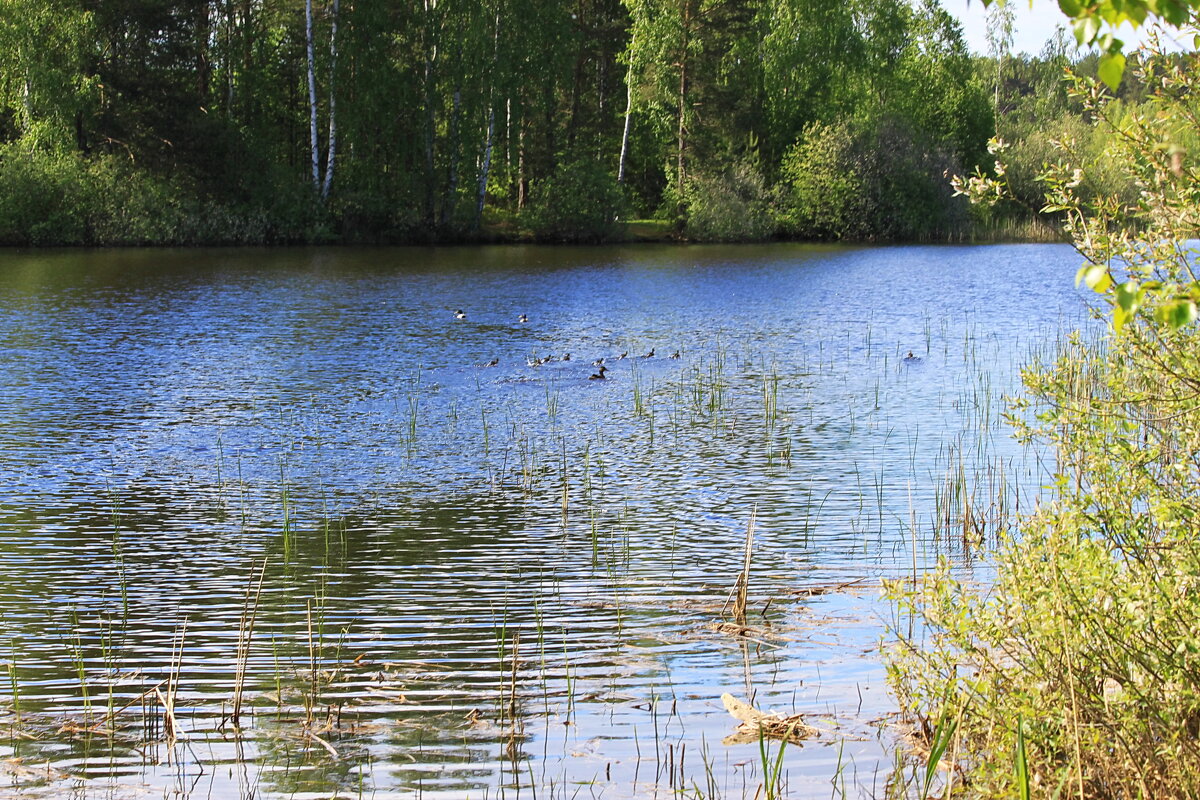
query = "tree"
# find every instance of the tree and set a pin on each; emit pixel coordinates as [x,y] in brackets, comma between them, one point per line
[43,74]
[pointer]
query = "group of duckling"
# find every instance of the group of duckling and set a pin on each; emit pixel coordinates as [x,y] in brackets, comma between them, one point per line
[534,361]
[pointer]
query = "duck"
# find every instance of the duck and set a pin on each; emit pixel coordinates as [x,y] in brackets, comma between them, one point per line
[460,314]
[522,318]
[534,361]
[623,355]
[492,363]
[566,357]
[910,357]
[650,354]
[674,355]
[599,362]
[599,375]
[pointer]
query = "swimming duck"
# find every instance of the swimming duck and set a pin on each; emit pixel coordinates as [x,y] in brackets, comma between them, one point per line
[566,357]
[492,363]
[599,362]
[911,358]
[674,355]
[534,361]
[460,314]
[522,318]
[599,375]
[650,354]
[622,355]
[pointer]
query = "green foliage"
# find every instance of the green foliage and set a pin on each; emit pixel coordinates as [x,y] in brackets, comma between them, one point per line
[63,198]
[868,180]
[445,111]
[825,185]
[731,207]
[45,197]
[581,202]
[1078,672]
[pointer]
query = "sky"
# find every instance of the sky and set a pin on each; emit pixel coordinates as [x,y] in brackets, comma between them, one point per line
[1033,25]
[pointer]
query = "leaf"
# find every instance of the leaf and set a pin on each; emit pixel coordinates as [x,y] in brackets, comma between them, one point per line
[1177,313]
[1021,762]
[1128,296]
[1086,29]
[1095,277]
[1071,8]
[1112,67]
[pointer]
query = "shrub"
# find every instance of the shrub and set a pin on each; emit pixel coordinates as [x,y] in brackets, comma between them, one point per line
[1078,672]
[872,179]
[581,202]
[42,197]
[731,207]
[825,189]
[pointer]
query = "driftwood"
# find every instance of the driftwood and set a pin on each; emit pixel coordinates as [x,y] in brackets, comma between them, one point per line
[753,723]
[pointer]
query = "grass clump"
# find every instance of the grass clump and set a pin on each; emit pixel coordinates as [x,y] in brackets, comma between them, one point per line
[1077,673]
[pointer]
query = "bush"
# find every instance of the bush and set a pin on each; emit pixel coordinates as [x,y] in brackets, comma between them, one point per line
[64,198]
[873,179]
[1078,672]
[582,202]
[825,189]
[42,197]
[728,208]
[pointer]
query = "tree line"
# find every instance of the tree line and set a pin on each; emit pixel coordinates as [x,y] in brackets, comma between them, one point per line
[272,121]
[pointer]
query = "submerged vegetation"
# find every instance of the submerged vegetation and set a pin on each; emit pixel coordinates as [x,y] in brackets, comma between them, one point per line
[278,121]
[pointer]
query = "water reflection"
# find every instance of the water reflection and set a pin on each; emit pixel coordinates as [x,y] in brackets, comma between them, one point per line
[484,577]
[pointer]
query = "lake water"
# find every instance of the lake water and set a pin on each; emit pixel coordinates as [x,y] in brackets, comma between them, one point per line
[280,493]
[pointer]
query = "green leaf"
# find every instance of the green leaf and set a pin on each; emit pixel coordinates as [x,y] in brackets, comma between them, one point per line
[1021,762]
[1095,276]
[1070,7]
[1177,313]
[1112,67]
[1086,29]
[1128,296]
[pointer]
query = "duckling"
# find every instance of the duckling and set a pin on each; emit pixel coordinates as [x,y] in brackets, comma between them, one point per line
[566,357]
[522,318]
[650,354]
[460,314]
[910,357]
[599,375]
[493,362]
[674,355]
[599,362]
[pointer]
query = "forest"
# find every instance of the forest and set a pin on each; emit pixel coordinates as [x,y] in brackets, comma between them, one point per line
[360,121]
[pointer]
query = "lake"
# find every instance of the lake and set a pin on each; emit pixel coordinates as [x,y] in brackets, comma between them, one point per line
[274,528]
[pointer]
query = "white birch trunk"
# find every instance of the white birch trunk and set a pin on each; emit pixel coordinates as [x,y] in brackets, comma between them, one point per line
[486,167]
[312,95]
[331,155]
[487,164]
[628,117]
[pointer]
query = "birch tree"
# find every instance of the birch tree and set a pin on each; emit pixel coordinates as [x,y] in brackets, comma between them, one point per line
[322,188]
[43,74]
